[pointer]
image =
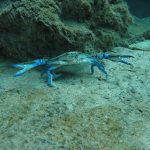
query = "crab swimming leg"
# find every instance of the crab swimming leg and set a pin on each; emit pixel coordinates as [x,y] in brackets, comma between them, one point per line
[26,67]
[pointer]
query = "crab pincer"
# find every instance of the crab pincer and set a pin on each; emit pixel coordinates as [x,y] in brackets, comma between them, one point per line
[116,58]
[28,66]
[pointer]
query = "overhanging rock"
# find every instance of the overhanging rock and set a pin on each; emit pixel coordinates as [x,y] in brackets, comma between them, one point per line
[39,28]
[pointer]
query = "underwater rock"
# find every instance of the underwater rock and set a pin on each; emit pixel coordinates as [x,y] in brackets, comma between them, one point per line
[144,45]
[146,35]
[139,31]
[38,28]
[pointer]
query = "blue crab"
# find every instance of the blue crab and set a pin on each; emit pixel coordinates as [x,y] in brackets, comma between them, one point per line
[70,60]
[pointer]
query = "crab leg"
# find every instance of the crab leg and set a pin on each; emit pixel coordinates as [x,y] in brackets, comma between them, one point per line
[26,67]
[51,75]
[99,66]
[55,76]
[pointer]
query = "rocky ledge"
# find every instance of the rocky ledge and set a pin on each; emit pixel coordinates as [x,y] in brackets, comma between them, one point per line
[39,28]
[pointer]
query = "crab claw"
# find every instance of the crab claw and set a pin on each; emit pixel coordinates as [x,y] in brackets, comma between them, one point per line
[117,58]
[26,67]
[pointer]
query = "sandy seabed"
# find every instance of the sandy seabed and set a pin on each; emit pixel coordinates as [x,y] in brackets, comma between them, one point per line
[83,112]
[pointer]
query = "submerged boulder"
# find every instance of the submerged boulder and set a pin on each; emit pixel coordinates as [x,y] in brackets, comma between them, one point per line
[144,45]
[40,28]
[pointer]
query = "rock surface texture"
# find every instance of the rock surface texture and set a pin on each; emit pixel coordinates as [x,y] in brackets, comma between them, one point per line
[38,28]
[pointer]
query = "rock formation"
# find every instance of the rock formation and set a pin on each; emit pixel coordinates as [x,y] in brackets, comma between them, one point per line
[46,28]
